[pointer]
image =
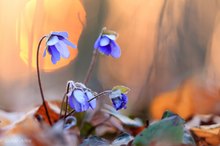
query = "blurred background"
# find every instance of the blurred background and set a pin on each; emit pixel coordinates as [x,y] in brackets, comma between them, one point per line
[170,52]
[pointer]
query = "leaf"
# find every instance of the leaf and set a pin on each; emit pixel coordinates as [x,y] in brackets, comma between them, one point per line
[210,134]
[124,119]
[122,139]
[170,129]
[95,141]
[53,110]
[123,89]
[168,114]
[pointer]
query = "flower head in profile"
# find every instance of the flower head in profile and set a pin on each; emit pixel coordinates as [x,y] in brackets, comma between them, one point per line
[119,99]
[106,43]
[56,46]
[78,100]
[79,96]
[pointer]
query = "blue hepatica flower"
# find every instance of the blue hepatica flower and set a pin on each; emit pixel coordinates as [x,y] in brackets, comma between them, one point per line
[92,103]
[78,100]
[119,99]
[79,96]
[106,43]
[56,46]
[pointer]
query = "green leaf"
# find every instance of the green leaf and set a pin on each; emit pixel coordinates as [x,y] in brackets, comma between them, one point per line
[169,130]
[168,114]
[123,89]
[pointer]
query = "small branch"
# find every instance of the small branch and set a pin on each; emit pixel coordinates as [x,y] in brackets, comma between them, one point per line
[39,81]
[91,66]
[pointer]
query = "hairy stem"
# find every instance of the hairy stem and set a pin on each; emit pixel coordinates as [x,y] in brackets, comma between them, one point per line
[39,81]
[62,105]
[64,97]
[91,66]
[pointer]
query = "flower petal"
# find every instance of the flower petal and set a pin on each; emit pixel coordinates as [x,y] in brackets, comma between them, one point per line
[63,34]
[115,50]
[79,95]
[52,40]
[69,43]
[117,103]
[124,99]
[97,42]
[45,52]
[62,48]
[74,104]
[105,49]
[55,55]
[111,36]
[104,41]
[90,96]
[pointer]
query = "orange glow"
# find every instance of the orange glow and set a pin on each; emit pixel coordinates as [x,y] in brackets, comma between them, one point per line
[41,17]
[194,96]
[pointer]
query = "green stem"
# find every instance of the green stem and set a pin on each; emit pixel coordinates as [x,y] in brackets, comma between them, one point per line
[39,81]
[91,66]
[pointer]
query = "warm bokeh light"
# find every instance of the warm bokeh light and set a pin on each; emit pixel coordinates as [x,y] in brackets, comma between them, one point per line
[163,44]
[24,22]
[40,17]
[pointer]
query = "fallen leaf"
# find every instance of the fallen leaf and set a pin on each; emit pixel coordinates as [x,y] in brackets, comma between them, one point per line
[194,96]
[210,134]
[53,110]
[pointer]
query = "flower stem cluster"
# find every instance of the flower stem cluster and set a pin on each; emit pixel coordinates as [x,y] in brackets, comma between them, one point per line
[78,97]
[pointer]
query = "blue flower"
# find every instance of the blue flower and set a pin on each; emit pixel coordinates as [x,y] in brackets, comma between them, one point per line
[56,46]
[78,100]
[119,99]
[79,96]
[92,103]
[106,43]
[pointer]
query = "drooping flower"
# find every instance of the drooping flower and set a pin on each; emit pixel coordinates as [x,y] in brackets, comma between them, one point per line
[106,44]
[80,96]
[78,100]
[119,99]
[56,46]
